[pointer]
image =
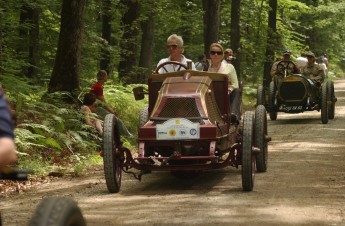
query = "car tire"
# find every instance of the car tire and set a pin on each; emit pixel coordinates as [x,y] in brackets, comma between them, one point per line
[111,155]
[57,211]
[271,99]
[260,138]
[260,96]
[324,104]
[143,116]
[248,158]
[331,96]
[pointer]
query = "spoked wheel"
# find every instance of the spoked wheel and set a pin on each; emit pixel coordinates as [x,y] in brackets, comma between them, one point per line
[324,105]
[177,66]
[271,100]
[57,211]
[248,158]
[143,116]
[111,157]
[260,138]
[260,96]
[331,100]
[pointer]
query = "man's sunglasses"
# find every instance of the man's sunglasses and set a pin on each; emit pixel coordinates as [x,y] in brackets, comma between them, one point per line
[174,46]
[216,52]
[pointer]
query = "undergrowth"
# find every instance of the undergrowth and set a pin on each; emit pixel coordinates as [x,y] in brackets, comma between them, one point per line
[50,134]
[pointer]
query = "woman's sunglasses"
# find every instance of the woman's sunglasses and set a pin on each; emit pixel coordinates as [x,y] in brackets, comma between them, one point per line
[216,52]
[174,46]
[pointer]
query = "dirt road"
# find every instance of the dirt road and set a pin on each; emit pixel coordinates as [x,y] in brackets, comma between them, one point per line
[304,185]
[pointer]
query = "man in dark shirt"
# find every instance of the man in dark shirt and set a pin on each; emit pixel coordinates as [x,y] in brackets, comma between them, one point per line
[7,146]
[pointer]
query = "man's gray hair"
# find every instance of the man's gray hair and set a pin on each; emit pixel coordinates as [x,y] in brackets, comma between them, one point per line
[177,38]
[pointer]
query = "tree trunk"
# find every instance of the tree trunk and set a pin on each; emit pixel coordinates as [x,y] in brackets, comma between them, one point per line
[66,71]
[211,23]
[129,40]
[235,34]
[147,45]
[106,35]
[271,42]
[311,33]
[22,47]
[34,56]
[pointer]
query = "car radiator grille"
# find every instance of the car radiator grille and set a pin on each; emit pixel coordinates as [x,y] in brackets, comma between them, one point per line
[292,91]
[179,107]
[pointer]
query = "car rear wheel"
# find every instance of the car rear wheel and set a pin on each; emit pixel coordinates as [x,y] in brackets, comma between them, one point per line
[248,158]
[260,138]
[271,100]
[324,105]
[331,96]
[57,211]
[111,156]
[260,96]
[143,116]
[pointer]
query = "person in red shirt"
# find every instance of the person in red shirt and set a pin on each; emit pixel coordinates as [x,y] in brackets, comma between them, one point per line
[104,108]
[97,90]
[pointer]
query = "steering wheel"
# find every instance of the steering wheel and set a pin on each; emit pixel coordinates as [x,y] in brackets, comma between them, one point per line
[173,63]
[284,65]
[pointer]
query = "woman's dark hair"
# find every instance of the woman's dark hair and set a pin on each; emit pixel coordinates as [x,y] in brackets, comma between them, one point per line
[89,99]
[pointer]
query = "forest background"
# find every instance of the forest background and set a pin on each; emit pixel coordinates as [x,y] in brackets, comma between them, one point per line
[51,51]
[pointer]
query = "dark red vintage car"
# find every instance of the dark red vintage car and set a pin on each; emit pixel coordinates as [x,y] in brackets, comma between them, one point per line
[186,129]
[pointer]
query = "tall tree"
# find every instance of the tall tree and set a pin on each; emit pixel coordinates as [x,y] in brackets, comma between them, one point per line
[235,33]
[66,71]
[147,40]
[106,35]
[28,47]
[34,56]
[211,22]
[271,41]
[129,44]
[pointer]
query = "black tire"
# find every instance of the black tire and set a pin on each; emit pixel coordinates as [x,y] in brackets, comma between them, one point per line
[57,211]
[143,116]
[331,96]
[271,99]
[111,156]
[260,138]
[248,158]
[260,96]
[324,105]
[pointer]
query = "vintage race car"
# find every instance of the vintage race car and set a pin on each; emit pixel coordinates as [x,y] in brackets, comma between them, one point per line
[186,129]
[295,93]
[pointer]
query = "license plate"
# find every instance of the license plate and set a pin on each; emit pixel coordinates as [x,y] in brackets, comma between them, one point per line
[293,108]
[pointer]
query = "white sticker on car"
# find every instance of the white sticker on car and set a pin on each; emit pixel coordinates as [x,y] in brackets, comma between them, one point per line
[178,129]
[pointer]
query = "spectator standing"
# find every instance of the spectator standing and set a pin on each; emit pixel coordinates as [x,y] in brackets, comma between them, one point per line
[201,65]
[228,55]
